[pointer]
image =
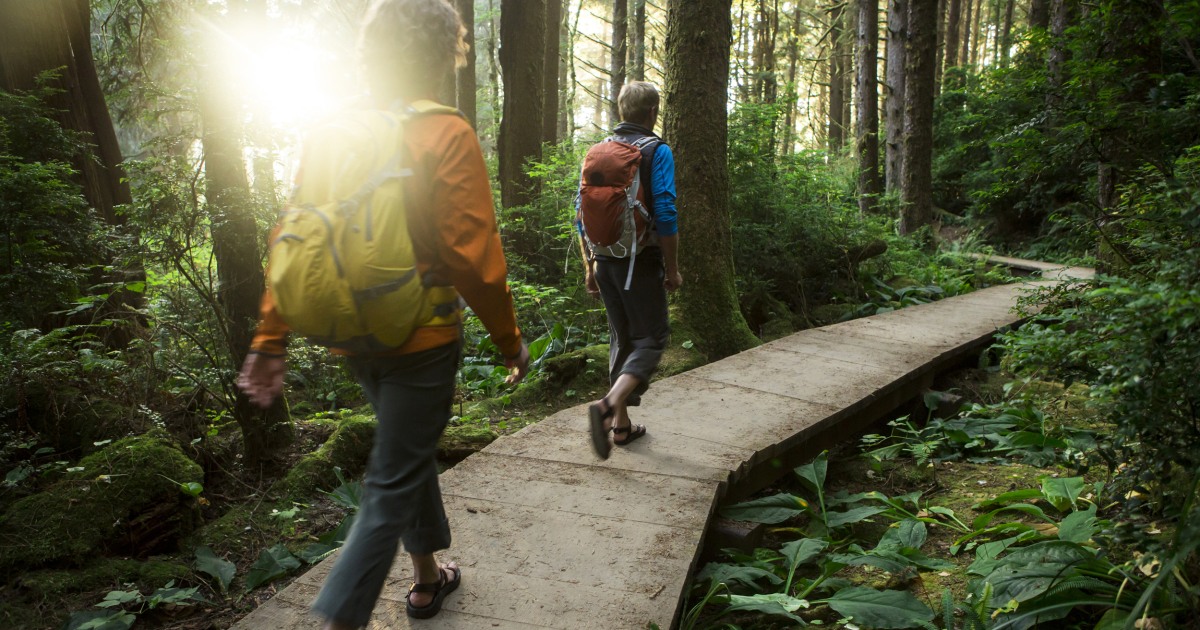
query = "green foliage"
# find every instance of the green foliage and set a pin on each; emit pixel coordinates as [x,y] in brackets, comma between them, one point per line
[52,245]
[121,608]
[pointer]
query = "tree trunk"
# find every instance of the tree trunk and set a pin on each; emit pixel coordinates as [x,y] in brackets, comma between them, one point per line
[235,242]
[553,55]
[465,77]
[916,189]
[869,185]
[699,35]
[964,59]
[940,55]
[953,24]
[494,70]
[837,78]
[620,48]
[1039,14]
[566,78]
[1006,34]
[1062,15]
[522,62]
[894,90]
[637,42]
[793,57]
[979,42]
[47,35]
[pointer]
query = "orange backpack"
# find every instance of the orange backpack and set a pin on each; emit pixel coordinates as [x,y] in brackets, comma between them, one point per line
[612,208]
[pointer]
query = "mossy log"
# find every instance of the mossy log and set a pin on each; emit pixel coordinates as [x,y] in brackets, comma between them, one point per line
[125,498]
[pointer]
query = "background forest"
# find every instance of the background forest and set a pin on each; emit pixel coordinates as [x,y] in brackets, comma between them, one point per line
[835,159]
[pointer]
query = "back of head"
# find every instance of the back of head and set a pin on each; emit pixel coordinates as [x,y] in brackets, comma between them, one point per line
[637,102]
[408,48]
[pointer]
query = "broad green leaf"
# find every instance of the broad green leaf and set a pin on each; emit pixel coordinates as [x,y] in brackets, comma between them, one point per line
[912,533]
[207,562]
[1078,526]
[1113,620]
[1024,439]
[1009,497]
[538,348]
[736,574]
[880,609]
[1062,492]
[772,604]
[986,554]
[316,552]
[338,536]
[814,473]
[100,620]
[770,510]
[884,561]
[1029,572]
[854,515]
[272,564]
[984,520]
[191,488]
[803,551]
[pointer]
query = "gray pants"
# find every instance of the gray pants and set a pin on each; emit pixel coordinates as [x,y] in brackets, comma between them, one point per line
[637,319]
[411,395]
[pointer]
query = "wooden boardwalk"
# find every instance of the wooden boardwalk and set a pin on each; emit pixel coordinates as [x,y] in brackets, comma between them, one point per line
[551,537]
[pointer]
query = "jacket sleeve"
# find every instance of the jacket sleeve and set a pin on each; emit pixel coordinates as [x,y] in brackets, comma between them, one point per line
[662,182]
[270,337]
[468,240]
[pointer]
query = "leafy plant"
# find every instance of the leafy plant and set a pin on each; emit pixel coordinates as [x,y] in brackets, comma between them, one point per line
[122,608]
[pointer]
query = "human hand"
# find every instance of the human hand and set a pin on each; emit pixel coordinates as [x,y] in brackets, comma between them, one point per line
[593,288]
[673,280]
[261,378]
[518,366]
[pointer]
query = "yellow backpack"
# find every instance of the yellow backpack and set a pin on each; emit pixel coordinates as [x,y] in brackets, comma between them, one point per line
[342,268]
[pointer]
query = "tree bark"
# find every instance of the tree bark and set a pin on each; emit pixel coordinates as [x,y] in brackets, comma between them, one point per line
[1062,15]
[1039,14]
[837,78]
[953,24]
[553,56]
[916,189]
[620,48]
[494,70]
[894,90]
[940,54]
[522,62]
[235,242]
[699,36]
[637,42]
[566,78]
[1006,34]
[964,59]
[39,36]
[869,185]
[793,58]
[978,42]
[465,77]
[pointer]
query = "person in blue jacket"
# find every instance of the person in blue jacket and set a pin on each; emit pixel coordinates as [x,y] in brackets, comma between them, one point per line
[636,304]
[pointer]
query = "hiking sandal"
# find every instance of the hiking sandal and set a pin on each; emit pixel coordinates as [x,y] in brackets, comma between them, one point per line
[598,412]
[441,589]
[634,431]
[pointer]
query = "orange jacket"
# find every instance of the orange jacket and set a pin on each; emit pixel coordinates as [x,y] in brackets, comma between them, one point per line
[453,226]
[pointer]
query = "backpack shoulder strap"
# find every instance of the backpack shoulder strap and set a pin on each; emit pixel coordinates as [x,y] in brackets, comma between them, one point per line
[426,107]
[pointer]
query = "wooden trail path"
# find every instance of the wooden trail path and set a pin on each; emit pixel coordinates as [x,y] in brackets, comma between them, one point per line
[549,536]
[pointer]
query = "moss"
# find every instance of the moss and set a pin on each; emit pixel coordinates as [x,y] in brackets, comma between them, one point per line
[461,440]
[348,448]
[105,573]
[228,532]
[125,495]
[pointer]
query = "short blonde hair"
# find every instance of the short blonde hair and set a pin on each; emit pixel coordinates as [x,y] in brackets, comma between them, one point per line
[410,46]
[637,101]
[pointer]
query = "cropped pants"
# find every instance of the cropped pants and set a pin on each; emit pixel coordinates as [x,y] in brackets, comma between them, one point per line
[637,319]
[411,395]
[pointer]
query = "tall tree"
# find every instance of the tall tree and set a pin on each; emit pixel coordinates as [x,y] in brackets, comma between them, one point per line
[37,37]
[620,49]
[793,59]
[522,62]
[637,42]
[553,55]
[1039,14]
[953,26]
[978,41]
[940,55]
[235,244]
[566,76]
[1006,34]
[465,77]
[916,188]
[837,77]
[699,36]
[897,35]
[964,58]
[869,184]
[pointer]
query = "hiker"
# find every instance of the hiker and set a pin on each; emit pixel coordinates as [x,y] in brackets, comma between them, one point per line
[632,269]
[406,48]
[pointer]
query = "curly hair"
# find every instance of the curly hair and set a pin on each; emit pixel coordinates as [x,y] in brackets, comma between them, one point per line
[409,47]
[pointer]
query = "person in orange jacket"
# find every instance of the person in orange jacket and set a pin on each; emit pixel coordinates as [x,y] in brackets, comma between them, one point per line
[407,48]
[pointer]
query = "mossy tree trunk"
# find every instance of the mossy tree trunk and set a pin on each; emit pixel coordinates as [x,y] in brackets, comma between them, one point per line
[699,35]
[916,171]
[465,76]
[897,33]
[870,186]
[620,49]
[550,74]
[522,61]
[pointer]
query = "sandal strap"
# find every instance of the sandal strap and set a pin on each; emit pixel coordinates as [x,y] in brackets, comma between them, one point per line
[623,430]
[429,587]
